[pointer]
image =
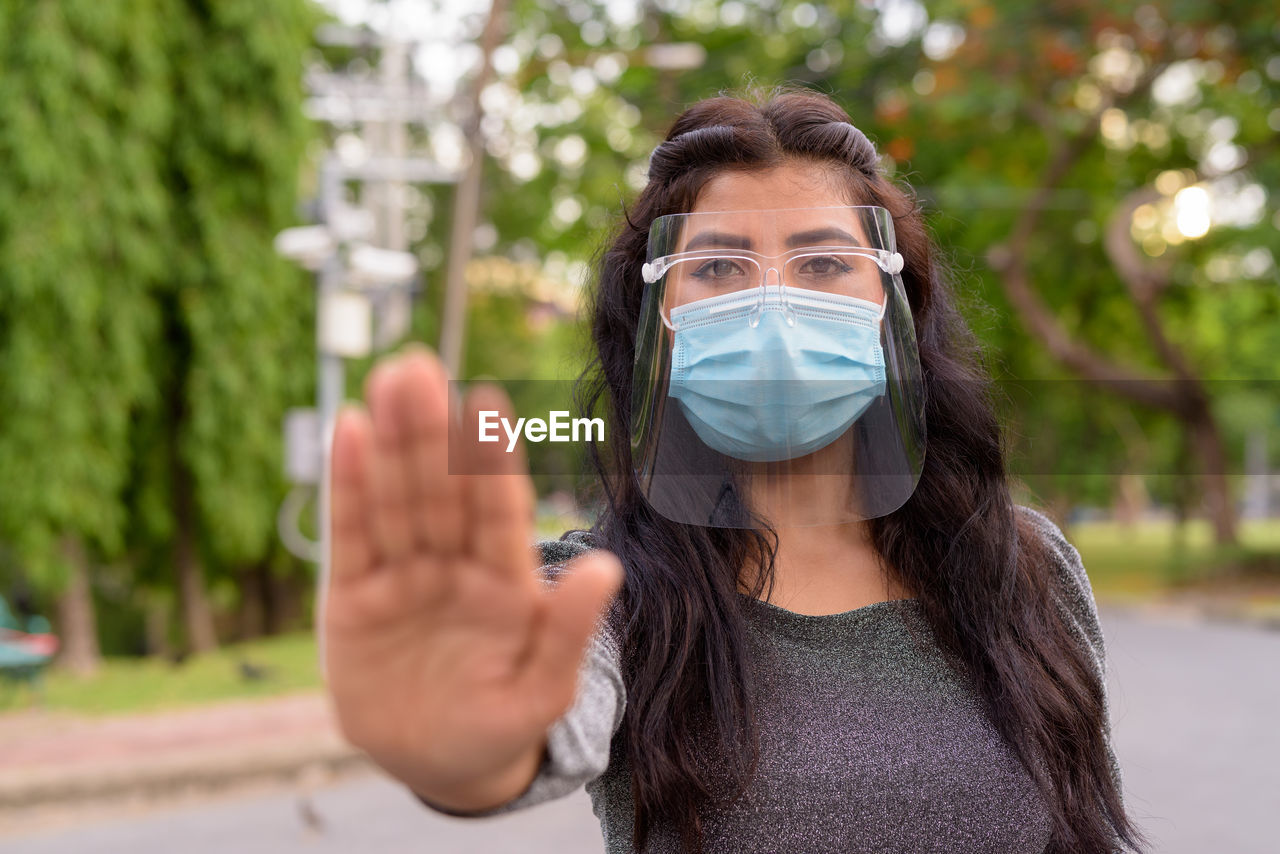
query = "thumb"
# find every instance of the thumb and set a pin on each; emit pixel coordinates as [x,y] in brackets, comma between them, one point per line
[569,618]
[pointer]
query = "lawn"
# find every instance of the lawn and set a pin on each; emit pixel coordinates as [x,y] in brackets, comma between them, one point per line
[1138,561]
[282,665]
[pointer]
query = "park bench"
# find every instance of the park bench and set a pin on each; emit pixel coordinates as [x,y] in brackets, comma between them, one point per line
[26,647]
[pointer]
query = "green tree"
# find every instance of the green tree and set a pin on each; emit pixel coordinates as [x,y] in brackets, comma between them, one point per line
[1116,127]
[149,338]
[84,92]
[236,349]
[1037,136]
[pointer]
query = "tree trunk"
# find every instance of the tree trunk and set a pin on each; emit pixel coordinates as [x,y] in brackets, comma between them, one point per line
[1129,499]
[1180,391]
[77,627]
[274,622]
[1206,438]
[251,613]
[156,626]
[197,618]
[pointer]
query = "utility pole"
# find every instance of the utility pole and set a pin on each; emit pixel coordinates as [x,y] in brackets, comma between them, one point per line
[364,275]
[466,206]
[391,140]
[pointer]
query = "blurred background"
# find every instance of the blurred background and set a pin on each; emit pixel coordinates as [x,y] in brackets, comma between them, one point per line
[216,214]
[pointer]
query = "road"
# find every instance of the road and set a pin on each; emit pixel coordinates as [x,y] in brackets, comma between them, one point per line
[1195,712]
[1195,709]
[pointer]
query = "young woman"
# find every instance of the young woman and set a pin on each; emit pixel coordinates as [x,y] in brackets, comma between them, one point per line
[835,632]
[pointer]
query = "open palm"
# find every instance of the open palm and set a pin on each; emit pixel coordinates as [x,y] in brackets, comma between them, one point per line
[446,658]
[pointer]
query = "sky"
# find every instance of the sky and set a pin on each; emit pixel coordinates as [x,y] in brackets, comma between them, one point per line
[445,30]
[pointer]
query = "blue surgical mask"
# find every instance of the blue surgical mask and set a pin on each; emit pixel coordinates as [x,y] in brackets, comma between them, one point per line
[778,378]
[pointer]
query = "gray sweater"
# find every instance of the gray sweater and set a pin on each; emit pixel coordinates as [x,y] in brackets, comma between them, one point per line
[870,741]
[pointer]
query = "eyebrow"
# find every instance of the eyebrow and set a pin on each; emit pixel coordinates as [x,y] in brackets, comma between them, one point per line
[818,236]
[719,239]
[813,237]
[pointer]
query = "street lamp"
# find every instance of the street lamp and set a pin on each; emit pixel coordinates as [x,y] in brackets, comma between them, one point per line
[308,246]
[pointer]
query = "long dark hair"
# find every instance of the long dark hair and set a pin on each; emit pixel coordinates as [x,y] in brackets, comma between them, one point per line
[980,572]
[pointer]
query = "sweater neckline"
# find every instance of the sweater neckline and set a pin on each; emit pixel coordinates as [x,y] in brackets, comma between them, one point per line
[777,612]
[822,631]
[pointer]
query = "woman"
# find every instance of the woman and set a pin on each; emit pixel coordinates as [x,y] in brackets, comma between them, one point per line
[832,635]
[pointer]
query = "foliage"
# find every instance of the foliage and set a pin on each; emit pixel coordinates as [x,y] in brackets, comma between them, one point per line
[87,114]
[970,101]
[1128,562]
[237,318]
[149,338]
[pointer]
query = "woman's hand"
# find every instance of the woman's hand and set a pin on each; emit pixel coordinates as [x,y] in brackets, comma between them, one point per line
[446,658]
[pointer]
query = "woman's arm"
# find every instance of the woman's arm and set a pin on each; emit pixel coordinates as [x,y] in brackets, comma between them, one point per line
[1075,600]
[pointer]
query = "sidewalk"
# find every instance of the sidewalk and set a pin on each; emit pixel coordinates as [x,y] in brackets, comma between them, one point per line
[54,759]
[1250,603]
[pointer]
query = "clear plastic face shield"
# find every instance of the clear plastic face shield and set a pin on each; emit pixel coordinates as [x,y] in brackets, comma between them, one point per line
[777,378]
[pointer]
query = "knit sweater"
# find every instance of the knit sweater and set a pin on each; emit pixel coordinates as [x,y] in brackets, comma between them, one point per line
[870,740]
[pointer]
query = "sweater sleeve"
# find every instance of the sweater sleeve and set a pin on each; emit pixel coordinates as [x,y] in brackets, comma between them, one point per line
[1075,598]
[578,743]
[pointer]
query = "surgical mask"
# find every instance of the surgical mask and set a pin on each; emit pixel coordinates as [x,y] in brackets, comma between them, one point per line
[778,378]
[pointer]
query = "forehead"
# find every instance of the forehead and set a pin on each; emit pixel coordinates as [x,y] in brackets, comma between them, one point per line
[794,184]
[771,209]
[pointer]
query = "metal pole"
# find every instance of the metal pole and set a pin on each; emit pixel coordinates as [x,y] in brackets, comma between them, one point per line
[395,316]
[331,386]
[466,206]
[387,109]
[395,76]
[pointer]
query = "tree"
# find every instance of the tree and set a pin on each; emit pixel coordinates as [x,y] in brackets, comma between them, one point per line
[83,89]
[1147,117]
[237,320]
[1051,144]
[149,338]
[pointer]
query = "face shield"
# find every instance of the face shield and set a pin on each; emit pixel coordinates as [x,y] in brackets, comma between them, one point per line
[777,378]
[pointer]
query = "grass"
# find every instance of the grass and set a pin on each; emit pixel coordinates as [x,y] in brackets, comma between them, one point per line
[289,664]
[1149,558]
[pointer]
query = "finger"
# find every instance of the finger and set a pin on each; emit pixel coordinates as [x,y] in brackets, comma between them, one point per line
[564,627]
[388,480]
[499,494]
[437,497]
[351,549]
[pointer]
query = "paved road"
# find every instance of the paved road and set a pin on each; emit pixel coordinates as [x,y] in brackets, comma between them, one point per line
[1196,710]
[368,814]
[1196,717]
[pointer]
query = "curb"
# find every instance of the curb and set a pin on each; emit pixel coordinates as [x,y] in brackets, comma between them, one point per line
[165,778]
[60,763]
[1221,614]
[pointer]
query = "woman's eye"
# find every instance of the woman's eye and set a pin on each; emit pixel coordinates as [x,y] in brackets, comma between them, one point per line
[825,266]
[718,268]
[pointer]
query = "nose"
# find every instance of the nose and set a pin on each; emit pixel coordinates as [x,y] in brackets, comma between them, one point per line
[772,277]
